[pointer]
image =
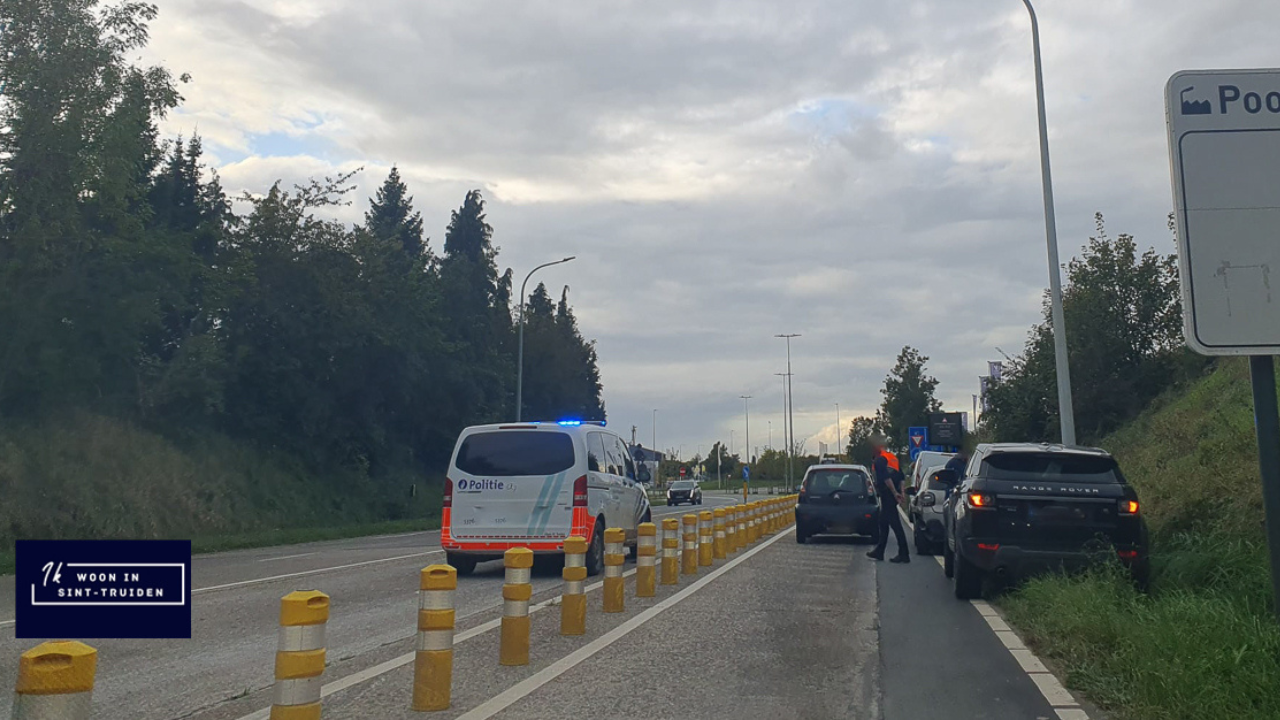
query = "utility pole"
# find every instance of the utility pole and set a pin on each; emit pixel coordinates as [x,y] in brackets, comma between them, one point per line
[791,407]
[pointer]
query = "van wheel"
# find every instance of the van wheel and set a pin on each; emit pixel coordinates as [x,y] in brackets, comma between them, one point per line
[595,551]
[968,579]
[463,564]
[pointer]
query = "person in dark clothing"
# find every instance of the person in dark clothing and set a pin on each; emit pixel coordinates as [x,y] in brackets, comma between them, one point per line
[888,481]
[958,462]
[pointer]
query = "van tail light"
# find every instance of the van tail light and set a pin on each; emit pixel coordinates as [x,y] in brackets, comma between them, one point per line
[1128,507]
[448,493]
[981,500]
[580,492]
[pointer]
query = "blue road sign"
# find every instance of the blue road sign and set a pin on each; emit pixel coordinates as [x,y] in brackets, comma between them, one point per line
[919,438]
[746,473]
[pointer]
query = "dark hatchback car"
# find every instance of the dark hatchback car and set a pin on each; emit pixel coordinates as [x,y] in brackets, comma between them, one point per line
[684,491]
[1023,508]
[836,500]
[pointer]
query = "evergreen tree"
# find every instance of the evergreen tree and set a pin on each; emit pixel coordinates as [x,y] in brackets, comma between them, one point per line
[391,219]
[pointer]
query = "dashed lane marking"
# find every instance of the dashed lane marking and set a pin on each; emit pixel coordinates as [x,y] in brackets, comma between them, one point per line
[317,571]
[1061,699]
[286,557]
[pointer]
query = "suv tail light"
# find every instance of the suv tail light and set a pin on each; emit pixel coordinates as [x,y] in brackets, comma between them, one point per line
[448,493]
[981,501]
[580,492]
[1128,507]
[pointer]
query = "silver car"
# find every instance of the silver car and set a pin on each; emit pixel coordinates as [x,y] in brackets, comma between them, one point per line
[925,509]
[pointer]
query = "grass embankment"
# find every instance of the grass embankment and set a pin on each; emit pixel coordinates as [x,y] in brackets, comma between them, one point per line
[86,476]
[1204,643]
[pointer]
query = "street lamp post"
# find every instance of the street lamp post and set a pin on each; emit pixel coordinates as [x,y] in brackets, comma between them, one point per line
[839,434]
[791,418]
[747,411]
[785,436]
[520,351]
[1066,413]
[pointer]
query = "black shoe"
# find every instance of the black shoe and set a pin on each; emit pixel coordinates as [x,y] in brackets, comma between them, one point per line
[900,559]
[875,555]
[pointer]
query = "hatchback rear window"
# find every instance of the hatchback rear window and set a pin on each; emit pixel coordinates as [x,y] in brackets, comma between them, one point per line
[823,482]
[681,485]
[516,452]
[1051,467]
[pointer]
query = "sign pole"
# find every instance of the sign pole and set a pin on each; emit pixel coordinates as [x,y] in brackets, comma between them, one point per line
[1262,372]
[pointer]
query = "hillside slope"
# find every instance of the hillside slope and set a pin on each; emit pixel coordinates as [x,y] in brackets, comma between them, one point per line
[1204,643]
[88,476]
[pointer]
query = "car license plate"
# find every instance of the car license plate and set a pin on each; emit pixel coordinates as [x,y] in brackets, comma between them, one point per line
[841,529]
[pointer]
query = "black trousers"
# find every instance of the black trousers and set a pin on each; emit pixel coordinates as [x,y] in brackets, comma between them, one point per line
[889,518]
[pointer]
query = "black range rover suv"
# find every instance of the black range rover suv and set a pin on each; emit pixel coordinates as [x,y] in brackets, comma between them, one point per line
[1022,508]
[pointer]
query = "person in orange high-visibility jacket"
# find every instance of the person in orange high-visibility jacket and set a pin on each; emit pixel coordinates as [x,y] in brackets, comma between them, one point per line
[888,480]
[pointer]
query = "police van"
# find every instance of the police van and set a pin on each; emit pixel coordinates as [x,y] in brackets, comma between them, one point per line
[532,485]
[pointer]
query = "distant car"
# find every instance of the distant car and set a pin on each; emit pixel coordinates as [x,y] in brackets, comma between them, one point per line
[534,484]
[836,500]
[925,506]
[684,491]
[1023,508]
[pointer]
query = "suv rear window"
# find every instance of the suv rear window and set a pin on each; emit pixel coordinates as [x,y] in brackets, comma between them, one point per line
[825,482]
[515,452]
[1052,466]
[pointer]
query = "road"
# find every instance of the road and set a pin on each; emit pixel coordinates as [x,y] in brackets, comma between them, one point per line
[777,630]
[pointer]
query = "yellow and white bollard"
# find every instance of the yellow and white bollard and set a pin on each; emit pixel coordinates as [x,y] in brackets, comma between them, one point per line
[770,516]
[689,553]
[573,601]
[433,658]
[730,530]
[752,534]
[513,646]
[614,557]
[740,511]
[718,550]
[670,551]
[705,536]
[646,559]
[55,682]
[300,655]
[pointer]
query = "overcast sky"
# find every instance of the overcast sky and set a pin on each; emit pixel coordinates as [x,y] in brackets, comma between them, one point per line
[862,172]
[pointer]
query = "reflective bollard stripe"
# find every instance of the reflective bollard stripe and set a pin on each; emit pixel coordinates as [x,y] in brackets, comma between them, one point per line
[689,554]
[670,551]
[646,559]
[718,549]
[55,682]
[433,656]
[513,646]
[300,656]
[573,601]
[705,554]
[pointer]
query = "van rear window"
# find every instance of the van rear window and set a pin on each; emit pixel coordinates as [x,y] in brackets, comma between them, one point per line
[516,452]
[1052,466]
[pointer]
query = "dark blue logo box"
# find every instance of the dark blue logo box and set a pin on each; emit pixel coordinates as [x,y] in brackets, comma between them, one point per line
[86,589]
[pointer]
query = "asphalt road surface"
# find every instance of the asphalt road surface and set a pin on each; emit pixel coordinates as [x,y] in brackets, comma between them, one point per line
[777,630]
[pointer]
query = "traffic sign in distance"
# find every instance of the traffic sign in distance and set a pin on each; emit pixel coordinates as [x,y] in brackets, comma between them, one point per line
[746,473]
[946,429]
[1224,151]
[916,438]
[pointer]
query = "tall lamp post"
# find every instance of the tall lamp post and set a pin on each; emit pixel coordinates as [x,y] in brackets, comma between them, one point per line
[791,408]
[747,411]
[839,434]
[520,350]
[1066,414]
[786,438]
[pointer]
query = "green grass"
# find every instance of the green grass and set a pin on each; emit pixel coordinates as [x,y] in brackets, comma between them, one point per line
[1204,642]
[85,476]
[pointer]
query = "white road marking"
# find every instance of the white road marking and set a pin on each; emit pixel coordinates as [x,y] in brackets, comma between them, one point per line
[1061,699]
[286,557]
[511,695]
[317,571]
[7,622]
[383,668]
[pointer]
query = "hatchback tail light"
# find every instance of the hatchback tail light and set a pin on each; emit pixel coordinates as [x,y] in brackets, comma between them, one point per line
[448,493]
[580,492]
[1127,554]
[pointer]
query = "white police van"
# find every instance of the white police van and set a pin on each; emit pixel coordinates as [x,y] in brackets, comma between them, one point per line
[533,484]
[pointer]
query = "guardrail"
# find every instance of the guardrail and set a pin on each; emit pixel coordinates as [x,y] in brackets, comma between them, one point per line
[56,679]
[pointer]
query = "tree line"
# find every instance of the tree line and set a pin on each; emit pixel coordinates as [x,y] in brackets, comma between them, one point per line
[1124,344]
[131,286]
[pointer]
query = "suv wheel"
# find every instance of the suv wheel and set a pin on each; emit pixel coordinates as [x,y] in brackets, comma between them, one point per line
[968,579]
[948,560]
[463,564]
[595,551]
